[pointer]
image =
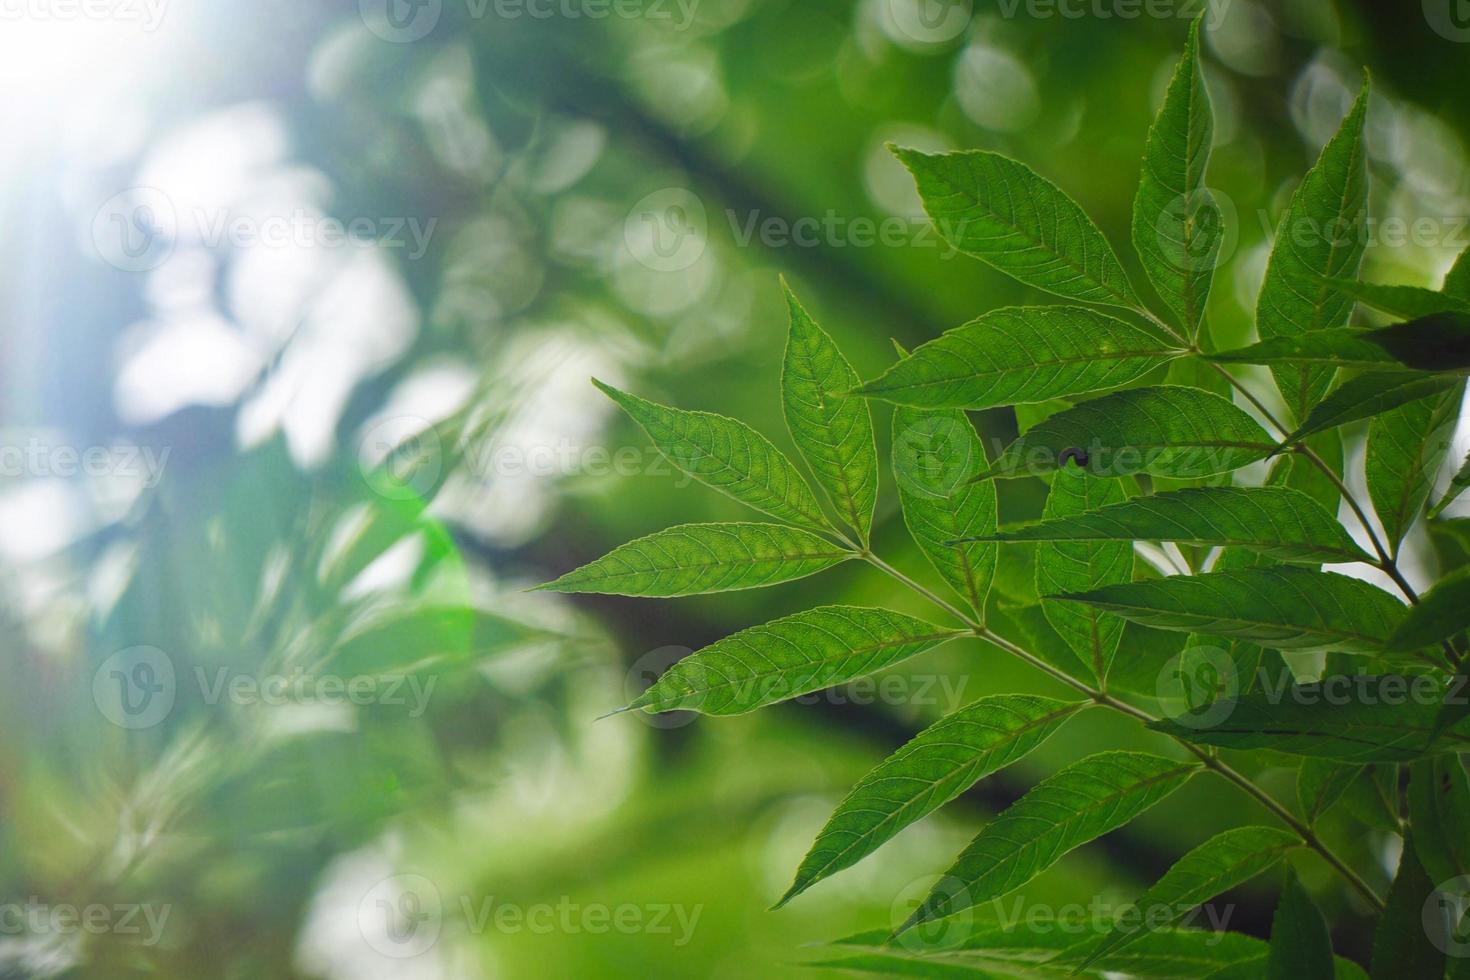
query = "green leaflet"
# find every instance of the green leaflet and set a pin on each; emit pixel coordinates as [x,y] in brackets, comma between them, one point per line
[1320,783]
[1079,803]
[788,657]
[727,455]
[1457,486]
[1406,447]
[1219,864]
[1300,946]
[1410,302]
[1399,948]
[1440,615]
[937,765]
[936,456]
[1372,394]
[696,558]
[1020,355]
[395,640]
[1176,224]
[1283,607]
[1274,521]
[1009,216]
[1439,810]
[834,434]
[1076,566]
[1436,343]
[1348,719]
[1321,237]
[1457,280]
[1162,431]
[995,945]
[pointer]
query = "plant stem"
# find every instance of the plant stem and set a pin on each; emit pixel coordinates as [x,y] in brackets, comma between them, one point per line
[1308,836]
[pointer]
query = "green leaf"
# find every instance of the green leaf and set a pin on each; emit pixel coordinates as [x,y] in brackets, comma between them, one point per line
[1409,302]
[1162,431]
[1357,719]
[1020,355]
[727,455]
[1457,280]
[1274,521]
[1320,783]
[1177,226]
[939,764]
[403,638]
[1372,394]
[1218,865]
[1321,237]
[936,456]
[696,558]
[1079,803]
[1458,483]
[1076,566]
[1399,948]
[1438,343]
[834,434]
[1009,216]
[1440,615]
[1406,447]
[789,657]
[1300,946]
[1284,608]
[1439,810]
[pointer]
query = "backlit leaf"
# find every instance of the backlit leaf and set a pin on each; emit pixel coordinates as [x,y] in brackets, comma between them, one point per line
[1301,948]
[1372,394]
[1406,447]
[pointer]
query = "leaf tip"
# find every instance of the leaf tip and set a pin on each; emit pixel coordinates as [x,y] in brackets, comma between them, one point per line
[615,711]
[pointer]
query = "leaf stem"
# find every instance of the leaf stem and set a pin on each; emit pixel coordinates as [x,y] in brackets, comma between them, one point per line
[981,631]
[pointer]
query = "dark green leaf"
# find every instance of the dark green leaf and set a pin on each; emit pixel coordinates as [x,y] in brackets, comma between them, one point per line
[727,455]
[1321,237]
[834,434]
[1409,302]
[789,657]
[1176,224]
[940,763]
[1274,521]
[1439,343]
[1301,948]
[1406,447]
[936,456]
[1458,483]
[1357,719]
[1076,566]
[1081,802]
[696,558]
[1285,608]
[1439,810]
[1399,949]
[1006,214]
[1372,394]
[1020,354]
[1321,783]
[1163,431]
[1218,865]
[1442,613]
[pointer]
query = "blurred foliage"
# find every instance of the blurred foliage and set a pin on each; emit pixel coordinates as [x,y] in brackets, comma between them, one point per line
[280,543]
